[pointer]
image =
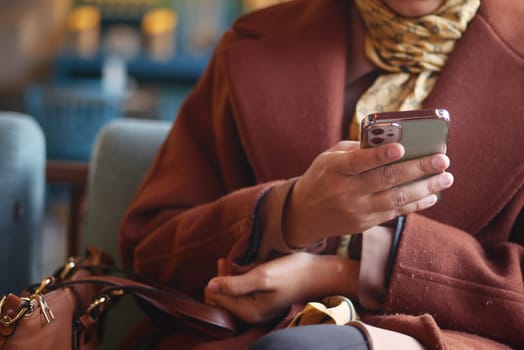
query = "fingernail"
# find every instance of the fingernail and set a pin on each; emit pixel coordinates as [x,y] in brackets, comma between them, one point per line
[213,287]
[439,162]
[394,152]
[445,180]
[431,199]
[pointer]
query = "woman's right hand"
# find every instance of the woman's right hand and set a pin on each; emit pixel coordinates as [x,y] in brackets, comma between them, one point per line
[348,190]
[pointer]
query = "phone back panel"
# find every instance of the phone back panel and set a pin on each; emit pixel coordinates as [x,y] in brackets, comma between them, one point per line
[421,132]
[423,137]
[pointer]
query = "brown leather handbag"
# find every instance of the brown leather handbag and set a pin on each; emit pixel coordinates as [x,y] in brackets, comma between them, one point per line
[67,309]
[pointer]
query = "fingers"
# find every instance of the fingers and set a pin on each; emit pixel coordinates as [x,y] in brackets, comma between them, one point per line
[239,285]
[240,306]
[222,267]
[214,286]
[392,175]
[249,308]
[241,296]
[412,207]
[356,161]
[220,287]
[412,197]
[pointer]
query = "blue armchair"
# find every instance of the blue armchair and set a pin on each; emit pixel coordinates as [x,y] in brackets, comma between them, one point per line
[122,153]
[22,164]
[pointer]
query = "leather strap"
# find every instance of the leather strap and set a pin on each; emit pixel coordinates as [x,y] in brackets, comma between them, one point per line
[212,321]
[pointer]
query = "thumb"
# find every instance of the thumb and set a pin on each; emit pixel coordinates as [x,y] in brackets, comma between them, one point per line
[233,285]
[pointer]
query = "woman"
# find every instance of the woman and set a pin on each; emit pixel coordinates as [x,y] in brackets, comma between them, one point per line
[255,186]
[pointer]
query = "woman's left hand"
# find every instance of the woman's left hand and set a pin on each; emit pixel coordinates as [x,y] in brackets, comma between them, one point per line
[268,290]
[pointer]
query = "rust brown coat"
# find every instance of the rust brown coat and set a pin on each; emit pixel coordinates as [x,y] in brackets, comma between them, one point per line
[272,99]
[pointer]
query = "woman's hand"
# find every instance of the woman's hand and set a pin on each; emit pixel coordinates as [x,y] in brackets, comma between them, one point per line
[268,290]
[348,190]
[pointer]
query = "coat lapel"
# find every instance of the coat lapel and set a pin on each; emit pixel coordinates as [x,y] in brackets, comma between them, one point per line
[288,92]
[482,85]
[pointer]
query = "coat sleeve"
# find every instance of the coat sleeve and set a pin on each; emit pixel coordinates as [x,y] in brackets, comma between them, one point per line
[196,203]
[467,283]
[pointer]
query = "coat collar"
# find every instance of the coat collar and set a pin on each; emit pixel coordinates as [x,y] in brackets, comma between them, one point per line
[281,83]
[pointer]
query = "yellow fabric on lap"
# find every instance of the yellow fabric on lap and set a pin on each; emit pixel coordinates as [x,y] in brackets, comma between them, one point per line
[337,310]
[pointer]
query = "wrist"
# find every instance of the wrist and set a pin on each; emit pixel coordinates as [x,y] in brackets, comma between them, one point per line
[271,220]
[294,233]
[334,275]
[376,247]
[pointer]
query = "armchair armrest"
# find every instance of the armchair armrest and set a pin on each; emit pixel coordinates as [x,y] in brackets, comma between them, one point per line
[123,152]
[73,174]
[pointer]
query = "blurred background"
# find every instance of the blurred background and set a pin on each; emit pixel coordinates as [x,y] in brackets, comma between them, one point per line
[75,65]
[147,53]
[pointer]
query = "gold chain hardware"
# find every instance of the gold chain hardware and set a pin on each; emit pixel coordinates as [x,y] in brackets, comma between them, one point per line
[103,299]
[7,320]
[43,285]
[69,267]
[37,295]
[97,302]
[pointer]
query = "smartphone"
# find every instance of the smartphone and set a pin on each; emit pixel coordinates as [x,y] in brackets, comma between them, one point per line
[422,132]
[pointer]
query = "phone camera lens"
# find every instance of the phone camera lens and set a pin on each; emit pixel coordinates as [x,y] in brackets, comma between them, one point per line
[377,131]
[377,140]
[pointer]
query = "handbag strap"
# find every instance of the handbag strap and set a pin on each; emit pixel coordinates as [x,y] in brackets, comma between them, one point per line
[211,320]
